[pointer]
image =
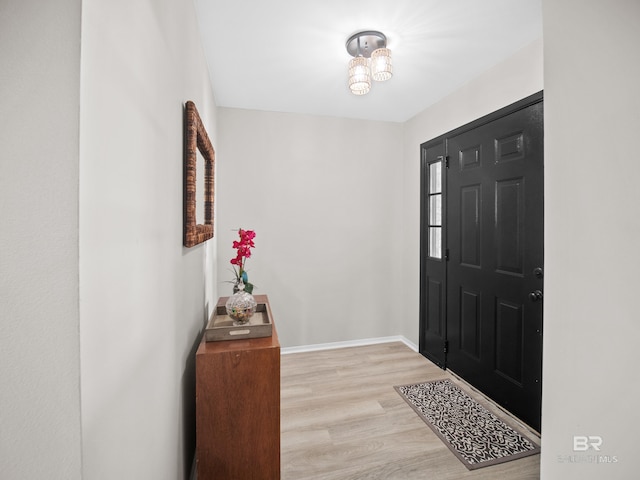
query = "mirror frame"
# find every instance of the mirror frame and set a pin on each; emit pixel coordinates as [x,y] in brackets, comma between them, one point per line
[196,139]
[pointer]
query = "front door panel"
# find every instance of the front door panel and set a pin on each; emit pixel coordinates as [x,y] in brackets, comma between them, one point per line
[495,232]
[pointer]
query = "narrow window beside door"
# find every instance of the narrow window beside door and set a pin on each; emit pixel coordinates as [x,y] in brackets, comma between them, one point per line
[435,209]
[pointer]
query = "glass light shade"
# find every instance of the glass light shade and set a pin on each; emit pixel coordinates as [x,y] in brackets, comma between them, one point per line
[381,67]
[359,78]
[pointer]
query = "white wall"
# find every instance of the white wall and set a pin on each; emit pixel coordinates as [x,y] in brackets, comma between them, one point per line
[323,195]
[592,233]
[506,83]
[40,368]
[143,297]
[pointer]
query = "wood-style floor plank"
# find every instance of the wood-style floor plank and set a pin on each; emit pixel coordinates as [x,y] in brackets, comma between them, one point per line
[342,419]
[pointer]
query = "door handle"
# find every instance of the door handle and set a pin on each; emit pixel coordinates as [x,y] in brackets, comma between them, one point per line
[535,296]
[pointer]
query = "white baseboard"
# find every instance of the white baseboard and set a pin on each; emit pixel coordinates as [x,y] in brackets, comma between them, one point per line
[349,343]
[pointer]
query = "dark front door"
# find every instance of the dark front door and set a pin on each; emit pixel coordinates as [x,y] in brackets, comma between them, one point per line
[494,238]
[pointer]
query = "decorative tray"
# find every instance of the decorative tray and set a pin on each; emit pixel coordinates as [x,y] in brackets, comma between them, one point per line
[221,327]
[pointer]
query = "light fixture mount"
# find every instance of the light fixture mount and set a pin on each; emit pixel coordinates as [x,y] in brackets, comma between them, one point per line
[362,44]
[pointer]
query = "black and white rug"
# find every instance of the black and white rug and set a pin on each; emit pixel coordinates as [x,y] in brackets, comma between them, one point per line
[474,434]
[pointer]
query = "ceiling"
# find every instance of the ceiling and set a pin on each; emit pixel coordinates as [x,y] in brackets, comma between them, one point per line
[290,55]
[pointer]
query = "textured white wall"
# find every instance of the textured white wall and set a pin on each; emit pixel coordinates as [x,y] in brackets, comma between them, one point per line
[40,369]
[506,83]
[143,297]
[592,233]
[323,195]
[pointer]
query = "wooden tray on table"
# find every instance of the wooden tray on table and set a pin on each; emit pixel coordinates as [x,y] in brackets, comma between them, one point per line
[221,327]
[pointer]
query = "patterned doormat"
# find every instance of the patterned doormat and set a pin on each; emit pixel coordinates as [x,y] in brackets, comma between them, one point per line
[475,435]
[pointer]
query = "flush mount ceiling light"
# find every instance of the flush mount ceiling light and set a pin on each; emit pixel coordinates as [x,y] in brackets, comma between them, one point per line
[371,59]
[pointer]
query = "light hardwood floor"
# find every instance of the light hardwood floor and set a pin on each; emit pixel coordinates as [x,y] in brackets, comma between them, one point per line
[342,419]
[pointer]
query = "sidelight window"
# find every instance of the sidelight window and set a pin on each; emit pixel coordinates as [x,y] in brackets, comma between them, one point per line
[435,209]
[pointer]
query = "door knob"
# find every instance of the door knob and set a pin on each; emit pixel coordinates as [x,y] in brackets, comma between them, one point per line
[535,295]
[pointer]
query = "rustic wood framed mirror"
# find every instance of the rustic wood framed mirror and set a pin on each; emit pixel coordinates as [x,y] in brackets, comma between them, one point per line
[197,143]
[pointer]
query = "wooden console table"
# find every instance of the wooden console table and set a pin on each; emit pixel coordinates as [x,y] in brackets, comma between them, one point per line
[238,407]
